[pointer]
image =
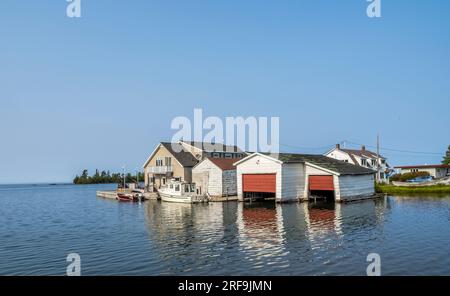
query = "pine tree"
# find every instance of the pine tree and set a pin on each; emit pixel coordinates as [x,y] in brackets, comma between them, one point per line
[446,159]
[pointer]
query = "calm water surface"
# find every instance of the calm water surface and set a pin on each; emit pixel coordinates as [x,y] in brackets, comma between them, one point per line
[40,225]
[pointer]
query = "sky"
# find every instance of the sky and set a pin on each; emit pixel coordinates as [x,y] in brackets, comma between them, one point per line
[101,91]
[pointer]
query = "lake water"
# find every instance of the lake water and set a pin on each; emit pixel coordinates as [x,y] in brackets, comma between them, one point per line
[40,225]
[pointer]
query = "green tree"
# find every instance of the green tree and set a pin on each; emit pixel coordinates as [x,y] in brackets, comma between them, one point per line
[446,159]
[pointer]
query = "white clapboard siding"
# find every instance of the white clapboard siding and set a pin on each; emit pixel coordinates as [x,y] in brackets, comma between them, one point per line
[214,182]
[258,164]
[229,182]
[351,186]
[293,181]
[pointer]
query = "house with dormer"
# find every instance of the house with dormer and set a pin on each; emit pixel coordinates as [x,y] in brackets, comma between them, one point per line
[362,157]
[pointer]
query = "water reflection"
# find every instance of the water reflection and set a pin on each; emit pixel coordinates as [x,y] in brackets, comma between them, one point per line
[261,234]
[267,238]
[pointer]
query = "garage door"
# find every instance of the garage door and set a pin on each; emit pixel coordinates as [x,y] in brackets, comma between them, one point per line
[321,183]
[259,183]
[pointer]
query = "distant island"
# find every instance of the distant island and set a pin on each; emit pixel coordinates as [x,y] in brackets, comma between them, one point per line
[105,177]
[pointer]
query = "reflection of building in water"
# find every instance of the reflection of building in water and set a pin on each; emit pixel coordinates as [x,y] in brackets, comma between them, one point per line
[323,219]
[185,220]
[261,233]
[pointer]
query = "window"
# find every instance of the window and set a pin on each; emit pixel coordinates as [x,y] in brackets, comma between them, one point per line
[374,162]
[192,187]
[168,161]
[383,161]
[346,160]
[363,162]
[177,187]
[186,188]
[216,155]
[159,161]
[171,186]
[228,155]
[164,181]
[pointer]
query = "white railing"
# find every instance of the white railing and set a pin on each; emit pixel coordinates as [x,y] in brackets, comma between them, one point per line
[160,169]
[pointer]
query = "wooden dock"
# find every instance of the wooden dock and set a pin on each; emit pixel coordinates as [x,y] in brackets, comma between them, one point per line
[112,194]
[223,198]
[107,194]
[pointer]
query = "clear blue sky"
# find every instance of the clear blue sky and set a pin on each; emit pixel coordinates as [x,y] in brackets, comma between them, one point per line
[101,91]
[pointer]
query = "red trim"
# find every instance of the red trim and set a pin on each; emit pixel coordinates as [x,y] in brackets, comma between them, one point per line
[440,166]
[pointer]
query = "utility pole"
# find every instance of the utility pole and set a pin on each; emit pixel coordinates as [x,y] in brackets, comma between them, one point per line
[123,172]
[378,158]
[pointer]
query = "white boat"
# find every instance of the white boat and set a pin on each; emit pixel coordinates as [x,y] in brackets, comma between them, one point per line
[182,192]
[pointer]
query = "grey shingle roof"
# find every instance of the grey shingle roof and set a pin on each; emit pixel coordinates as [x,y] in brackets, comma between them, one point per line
[220,147]
[185,158]
[325,162]
[362,153]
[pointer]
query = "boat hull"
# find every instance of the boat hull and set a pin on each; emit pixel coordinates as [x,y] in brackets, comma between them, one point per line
[127,197]
[176,198]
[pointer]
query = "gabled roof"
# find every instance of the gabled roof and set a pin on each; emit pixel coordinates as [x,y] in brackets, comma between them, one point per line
[361,153]
[331,164]
[225,164]
[184,158]
[213,147]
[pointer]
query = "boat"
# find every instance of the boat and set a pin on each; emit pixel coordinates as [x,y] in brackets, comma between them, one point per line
[125,197]
[181,192]
[134,196]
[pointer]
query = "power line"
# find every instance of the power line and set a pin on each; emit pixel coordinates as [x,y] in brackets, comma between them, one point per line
[308,148]
[397,150]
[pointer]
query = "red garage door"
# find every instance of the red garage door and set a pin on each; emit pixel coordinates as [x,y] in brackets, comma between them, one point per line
[321,183]
[259,183]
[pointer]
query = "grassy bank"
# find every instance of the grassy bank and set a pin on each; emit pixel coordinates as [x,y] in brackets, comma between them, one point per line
[391,189]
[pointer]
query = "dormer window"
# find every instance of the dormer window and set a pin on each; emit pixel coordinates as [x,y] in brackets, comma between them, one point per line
[363,162]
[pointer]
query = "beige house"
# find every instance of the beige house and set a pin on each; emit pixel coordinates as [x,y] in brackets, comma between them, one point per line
[436,171]
[176,160]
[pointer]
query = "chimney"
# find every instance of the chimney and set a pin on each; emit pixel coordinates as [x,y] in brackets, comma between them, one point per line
[338,146]
[363,147]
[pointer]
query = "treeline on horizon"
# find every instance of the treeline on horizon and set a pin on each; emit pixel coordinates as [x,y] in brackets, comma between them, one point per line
[106,177]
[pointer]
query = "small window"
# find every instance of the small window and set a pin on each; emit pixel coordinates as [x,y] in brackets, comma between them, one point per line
[363,162]
[192,187]
[177,187]
[216,155]
[374,162]
[383,161]
[346,160]
[171,186]
[228,155]
[164,181]
[186,188]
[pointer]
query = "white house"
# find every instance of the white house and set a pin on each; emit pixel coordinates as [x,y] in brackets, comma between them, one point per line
[362,157]
[292,177]
[215,177]
[436,171]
